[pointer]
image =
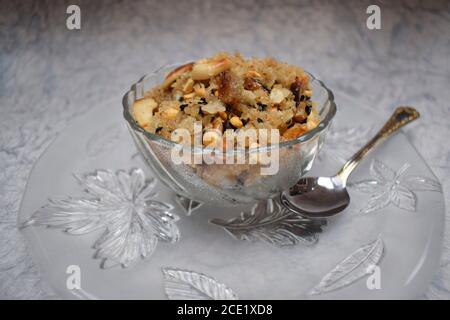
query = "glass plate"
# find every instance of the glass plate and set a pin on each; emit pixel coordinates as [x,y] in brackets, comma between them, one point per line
[385,245]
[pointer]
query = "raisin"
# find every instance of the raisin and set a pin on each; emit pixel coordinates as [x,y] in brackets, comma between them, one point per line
[308,109]
[260,120]
[158,129]
[296,87]
[183,105]
[261,106]
[299,118]
[202,101]
[228,91]
[228,125]
[251,84]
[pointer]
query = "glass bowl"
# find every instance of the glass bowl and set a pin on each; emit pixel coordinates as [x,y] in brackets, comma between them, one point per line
[229,184]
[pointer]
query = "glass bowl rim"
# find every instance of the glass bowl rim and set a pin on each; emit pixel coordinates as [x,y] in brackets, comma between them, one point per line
[195,150]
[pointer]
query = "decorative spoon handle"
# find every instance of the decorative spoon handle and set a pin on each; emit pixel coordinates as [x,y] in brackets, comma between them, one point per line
[401,117]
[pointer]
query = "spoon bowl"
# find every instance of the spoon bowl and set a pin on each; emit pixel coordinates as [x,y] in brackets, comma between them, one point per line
[322,197]
[317,197]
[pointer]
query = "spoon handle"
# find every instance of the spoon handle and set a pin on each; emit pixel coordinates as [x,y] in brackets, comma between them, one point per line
[401,117]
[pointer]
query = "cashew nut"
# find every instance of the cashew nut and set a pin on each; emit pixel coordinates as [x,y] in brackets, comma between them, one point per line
[205,70]
[143,111]
[174,74]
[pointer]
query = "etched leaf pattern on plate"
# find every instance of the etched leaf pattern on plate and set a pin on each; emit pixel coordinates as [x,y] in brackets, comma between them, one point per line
[122,205]
[189,285]
[271,222]
[388,186]
[357,265]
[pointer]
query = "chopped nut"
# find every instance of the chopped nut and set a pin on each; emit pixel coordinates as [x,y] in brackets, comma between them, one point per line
[286,92]
[213,107]
[223,115]
[273,109]
[236,122]
[188,124]
[218,124]
[307,93]
[211,138]
[200,90]
[143,110]
[253,74]
[205,70]
[294,132]
[174,74]
[278,94]
[188,86]
[299,118]
[189,96]
[248,97]
[170,113]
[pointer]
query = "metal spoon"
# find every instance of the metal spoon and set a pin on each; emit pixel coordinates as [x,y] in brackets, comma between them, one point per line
[322,197]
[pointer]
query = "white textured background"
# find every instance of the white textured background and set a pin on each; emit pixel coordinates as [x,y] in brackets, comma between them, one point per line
[50,75]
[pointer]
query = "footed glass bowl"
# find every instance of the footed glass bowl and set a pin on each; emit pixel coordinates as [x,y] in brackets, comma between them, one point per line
[229,184]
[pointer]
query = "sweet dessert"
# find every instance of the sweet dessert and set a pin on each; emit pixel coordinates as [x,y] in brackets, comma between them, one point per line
[228,91]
